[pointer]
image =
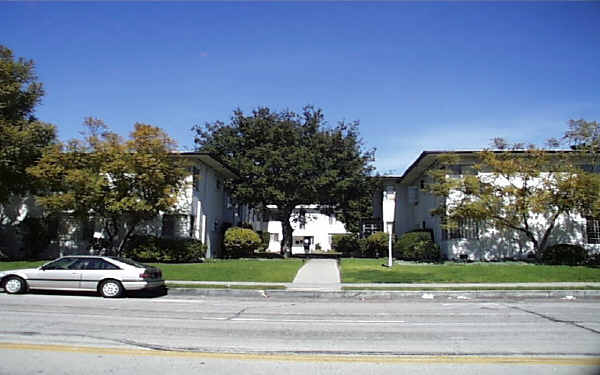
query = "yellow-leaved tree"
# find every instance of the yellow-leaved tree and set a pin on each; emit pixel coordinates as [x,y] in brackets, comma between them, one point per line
[117,183]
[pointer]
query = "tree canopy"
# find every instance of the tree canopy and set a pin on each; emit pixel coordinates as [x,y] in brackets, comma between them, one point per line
[288,159]
[22,136]
[115,182]
[517,188]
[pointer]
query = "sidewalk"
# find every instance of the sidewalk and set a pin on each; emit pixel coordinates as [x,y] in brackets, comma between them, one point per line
[320,275]
[320,278]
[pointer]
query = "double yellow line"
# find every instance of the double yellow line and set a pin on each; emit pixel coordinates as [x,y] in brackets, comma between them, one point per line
[407,359]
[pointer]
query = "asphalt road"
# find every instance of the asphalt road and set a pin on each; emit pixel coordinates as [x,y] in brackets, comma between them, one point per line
[74,334]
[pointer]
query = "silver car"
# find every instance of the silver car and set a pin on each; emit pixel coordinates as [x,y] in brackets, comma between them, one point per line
[110,276]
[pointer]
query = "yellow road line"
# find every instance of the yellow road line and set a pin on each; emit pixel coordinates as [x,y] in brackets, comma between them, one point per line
[408,359]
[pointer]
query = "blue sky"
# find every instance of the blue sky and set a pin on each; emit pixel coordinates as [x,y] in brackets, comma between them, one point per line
[418,76]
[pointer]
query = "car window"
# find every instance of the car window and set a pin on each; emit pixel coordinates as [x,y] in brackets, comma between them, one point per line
[61,264]
[130,262]
[100,264]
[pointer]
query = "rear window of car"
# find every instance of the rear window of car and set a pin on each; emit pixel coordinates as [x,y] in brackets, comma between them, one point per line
[130,262]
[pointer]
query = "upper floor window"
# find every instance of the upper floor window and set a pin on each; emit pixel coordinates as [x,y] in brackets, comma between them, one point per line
[196,178]
[592,229]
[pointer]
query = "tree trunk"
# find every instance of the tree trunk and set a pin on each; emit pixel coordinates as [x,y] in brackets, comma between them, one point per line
[286,241]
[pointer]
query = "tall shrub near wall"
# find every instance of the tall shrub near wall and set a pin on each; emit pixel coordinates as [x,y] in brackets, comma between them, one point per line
[377,244]
[417,246]
[347,244]
[240,242]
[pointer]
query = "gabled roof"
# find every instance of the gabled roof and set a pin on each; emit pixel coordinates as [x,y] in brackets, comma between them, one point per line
[427,158]
[210,160]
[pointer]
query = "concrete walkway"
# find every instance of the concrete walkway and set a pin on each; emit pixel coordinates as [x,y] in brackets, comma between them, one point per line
[320,275]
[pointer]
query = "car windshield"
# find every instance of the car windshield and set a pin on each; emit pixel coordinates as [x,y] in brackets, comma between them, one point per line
[130,262]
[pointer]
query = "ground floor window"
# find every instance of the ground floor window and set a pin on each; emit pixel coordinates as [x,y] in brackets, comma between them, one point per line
[466,228]
[175,225]
[592,229]
[370,226]
[274,237]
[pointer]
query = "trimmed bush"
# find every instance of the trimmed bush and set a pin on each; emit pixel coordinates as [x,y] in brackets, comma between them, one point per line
[241,242]
[347,244]
[566,254]
[167,250]
[377,245]
[417,246]
[593,260]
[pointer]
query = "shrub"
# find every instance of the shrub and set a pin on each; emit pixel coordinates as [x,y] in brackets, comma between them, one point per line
[264,238]
[377,245]
[417,246]
[240,242]
[564,254]
[157,249]
[593,260]
[347,244]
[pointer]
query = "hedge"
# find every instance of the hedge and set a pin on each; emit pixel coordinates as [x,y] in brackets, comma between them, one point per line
[240,242]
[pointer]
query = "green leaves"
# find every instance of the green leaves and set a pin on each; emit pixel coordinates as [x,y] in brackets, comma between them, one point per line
[121,183]
[525,190]
[288,159]
[22,137]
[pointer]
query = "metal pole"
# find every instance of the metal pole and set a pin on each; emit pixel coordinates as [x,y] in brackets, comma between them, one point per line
[390,245]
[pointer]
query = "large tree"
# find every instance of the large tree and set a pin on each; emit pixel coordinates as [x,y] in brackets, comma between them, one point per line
[117,183]
[22,136]
[526,190]
[288,159]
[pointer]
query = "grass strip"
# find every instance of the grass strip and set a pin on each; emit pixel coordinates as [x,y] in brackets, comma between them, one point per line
[256,270]
[372,271]
[429,289]
[221,286]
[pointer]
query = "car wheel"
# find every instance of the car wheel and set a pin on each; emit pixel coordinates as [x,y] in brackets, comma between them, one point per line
[111,289]
[14,285]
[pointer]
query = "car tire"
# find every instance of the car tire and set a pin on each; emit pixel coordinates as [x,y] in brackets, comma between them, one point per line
[15,285]
[111,289]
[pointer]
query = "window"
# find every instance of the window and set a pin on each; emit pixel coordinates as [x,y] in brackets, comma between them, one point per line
[331,219]
[196,178]
[591,168]
[466,228]
[461,169]
[219,183]
[274,237]
[592,229]
[192,223]
[370,226]
[92,264]
[168,225]
[61,264]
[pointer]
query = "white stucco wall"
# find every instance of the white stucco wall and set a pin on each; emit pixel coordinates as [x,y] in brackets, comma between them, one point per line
[206,202]
[413,211]
[317,225]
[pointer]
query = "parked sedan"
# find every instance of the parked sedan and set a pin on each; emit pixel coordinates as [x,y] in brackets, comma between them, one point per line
[110,276]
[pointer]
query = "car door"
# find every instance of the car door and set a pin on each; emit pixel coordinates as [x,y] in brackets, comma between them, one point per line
[94,270]
[60,274]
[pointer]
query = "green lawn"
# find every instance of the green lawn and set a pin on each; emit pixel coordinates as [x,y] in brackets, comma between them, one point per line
[372,271]
[21,264]
[259,270]
[265,270]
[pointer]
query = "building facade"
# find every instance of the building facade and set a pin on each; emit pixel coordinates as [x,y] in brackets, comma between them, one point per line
[412,210]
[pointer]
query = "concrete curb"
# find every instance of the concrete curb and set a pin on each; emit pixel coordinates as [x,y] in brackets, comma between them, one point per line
[362,295]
